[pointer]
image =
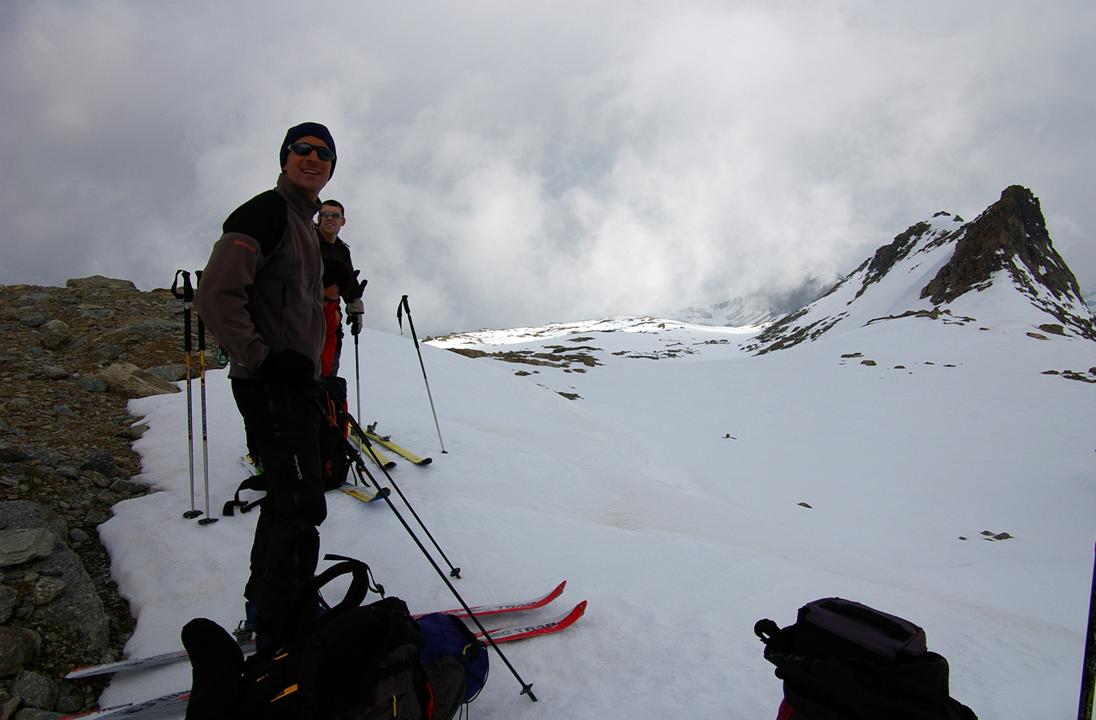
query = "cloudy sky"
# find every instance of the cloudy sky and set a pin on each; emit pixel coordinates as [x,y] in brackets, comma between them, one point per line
[507,163]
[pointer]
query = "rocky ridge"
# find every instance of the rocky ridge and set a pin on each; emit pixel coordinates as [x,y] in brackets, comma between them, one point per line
[72,358]
[1008,242]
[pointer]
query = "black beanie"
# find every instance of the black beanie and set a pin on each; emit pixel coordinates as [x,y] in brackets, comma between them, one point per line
[299,131]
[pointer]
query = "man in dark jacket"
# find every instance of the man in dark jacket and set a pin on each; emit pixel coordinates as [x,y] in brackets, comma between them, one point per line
[335,251]
[262,297]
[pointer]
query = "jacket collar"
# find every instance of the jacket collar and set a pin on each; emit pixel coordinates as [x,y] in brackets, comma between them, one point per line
[297,200]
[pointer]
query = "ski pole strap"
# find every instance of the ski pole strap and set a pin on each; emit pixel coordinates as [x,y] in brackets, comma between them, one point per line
[186,292]
[256,483]
[399,312]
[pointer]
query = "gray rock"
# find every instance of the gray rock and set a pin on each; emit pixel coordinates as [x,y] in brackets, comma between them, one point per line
[99,461]
[48,456]
[78,609]
[37,691]
[94,384]
[12,453]
[10,706]
[98,479]
[98,282]
[23,545]
[53,372]
[71,699]
[68,471]
[34,319]
[171,373]
[78,536]
[94,312]
[8,599]
[127,487]
[131,381]
[18,646]
[109,352]
[97,517]
[16,514]
[48,589]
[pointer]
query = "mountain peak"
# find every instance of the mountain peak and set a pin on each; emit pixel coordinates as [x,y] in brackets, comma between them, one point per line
[933,267]
[1010,233]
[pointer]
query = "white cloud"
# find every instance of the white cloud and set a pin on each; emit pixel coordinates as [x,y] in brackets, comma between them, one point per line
[511,165]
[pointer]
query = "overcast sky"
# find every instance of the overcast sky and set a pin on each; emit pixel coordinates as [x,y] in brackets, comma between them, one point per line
[508,163]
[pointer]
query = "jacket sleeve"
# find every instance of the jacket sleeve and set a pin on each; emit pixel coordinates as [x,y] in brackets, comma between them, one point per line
[354,292]
[222,300]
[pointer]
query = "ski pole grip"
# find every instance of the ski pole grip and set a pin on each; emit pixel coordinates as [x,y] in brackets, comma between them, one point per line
[201,325]
[186,292]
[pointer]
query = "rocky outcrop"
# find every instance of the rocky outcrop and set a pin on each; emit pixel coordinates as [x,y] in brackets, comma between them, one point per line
[72,358]
[1011,236]
[1007,244]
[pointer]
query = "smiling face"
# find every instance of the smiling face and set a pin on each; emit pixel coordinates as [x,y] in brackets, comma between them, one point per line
[331,222]
[308,173]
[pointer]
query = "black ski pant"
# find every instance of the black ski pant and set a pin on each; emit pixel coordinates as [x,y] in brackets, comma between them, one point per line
[283,421]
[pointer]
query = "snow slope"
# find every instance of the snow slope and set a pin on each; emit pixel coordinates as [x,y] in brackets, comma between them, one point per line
[668,494]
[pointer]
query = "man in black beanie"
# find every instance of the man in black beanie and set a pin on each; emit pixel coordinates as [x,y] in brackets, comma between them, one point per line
[261,296]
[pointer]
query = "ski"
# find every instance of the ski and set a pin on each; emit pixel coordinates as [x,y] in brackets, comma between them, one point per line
[510,633]
[501,608]
[376,456]
[363,494]
[358,492]
[523,631]
[386,441]
[175,656]
[147,708]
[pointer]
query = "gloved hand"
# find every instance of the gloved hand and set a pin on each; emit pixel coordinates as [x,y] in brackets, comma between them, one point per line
[354,312]
[288,367]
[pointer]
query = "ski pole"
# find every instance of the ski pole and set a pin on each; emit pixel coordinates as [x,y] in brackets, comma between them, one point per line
[1088,667]
[186,294]
[357,430]
[400,309]
[360,469]
[208,519]
[357,367]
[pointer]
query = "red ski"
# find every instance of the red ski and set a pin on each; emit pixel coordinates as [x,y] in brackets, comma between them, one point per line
[546,627]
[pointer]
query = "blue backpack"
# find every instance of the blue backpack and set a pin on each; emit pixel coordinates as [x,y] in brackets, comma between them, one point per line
[456,662]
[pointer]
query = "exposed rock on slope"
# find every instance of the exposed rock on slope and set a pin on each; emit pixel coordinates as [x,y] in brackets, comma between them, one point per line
[934,267]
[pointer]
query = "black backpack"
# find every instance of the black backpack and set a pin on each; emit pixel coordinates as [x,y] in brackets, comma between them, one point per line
[333,432]
[351,662]
[845,661]
[335,463]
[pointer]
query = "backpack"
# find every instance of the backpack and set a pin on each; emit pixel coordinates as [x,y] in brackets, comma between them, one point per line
[335,463]
[350,662]
[842,660]
[333,432]
[455,662]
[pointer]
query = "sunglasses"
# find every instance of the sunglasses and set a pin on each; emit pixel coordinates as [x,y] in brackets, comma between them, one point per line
[305,149]
[331,215]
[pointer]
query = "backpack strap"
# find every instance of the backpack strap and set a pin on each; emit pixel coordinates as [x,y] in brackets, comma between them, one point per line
[360,585]
[256,483]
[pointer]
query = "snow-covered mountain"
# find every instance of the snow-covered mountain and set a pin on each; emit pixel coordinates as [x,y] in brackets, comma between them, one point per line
[931,456]
[756,309]
[945,270]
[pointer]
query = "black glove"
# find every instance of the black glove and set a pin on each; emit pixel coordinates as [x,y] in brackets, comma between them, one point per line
[288,367]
